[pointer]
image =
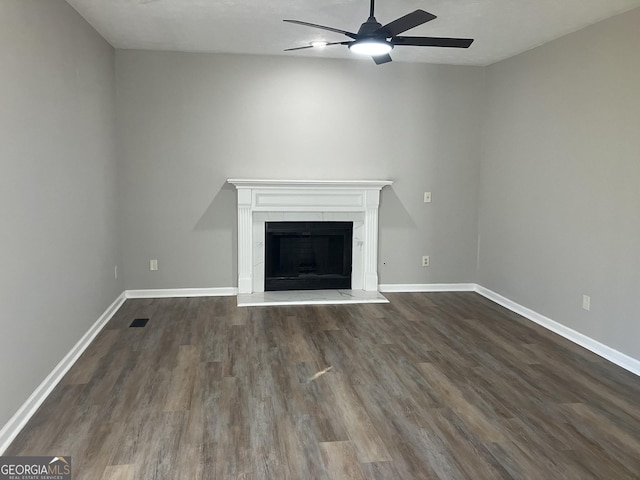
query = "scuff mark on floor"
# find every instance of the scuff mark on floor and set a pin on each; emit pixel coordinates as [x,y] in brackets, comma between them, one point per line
[320,373]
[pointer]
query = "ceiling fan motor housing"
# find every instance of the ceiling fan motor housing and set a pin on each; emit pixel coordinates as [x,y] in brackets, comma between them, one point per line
[370,27]
[371,40]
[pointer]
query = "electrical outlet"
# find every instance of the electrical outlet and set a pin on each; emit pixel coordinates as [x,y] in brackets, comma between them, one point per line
[586,302]
[425,261]
[427,197]
[153,265]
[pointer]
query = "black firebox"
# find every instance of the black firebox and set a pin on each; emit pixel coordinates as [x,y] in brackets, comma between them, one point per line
[307,255]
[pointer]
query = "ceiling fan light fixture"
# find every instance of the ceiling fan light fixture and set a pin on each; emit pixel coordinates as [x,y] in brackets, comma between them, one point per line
[371,47]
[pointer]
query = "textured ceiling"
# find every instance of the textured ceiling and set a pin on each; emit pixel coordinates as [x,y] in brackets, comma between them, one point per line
[501,28]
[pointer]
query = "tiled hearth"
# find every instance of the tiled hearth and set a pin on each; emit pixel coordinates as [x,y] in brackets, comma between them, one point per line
[260,201]
[310,297]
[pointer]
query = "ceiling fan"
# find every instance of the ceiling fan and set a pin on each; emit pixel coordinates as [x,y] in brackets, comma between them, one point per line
[378,40]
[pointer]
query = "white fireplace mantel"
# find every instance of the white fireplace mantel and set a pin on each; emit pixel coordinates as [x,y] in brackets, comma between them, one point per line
[260,201]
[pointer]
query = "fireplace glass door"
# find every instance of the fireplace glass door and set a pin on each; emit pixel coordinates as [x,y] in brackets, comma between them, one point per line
[308,255]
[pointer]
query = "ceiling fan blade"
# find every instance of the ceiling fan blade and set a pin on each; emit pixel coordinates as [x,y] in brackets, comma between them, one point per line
[409,21]
[331,29]
[297,48]
[313,46]
[380,59]
[433,42]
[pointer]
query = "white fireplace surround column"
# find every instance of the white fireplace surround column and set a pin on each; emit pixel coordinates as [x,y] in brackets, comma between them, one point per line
[260,201]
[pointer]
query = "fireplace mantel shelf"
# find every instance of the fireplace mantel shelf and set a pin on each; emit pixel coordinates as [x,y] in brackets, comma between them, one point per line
[262,200]
[262,183]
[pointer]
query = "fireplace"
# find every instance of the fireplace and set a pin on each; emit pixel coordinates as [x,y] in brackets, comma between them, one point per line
[307,255]
[265,201]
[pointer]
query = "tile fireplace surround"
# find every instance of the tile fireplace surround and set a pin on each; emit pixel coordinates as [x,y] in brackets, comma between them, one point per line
[261,201]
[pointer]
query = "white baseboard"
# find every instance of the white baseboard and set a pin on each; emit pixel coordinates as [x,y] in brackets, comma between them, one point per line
[614,356]
[427,287]
[22,416]
[182,292]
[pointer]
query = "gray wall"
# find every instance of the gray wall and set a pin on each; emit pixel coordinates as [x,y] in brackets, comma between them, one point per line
[58,244]
[560,182]
[186,122]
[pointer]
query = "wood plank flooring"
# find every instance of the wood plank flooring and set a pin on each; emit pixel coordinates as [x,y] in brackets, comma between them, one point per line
[429,386]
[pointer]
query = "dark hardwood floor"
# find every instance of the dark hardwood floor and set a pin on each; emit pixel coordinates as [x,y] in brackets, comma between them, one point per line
[430,386]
